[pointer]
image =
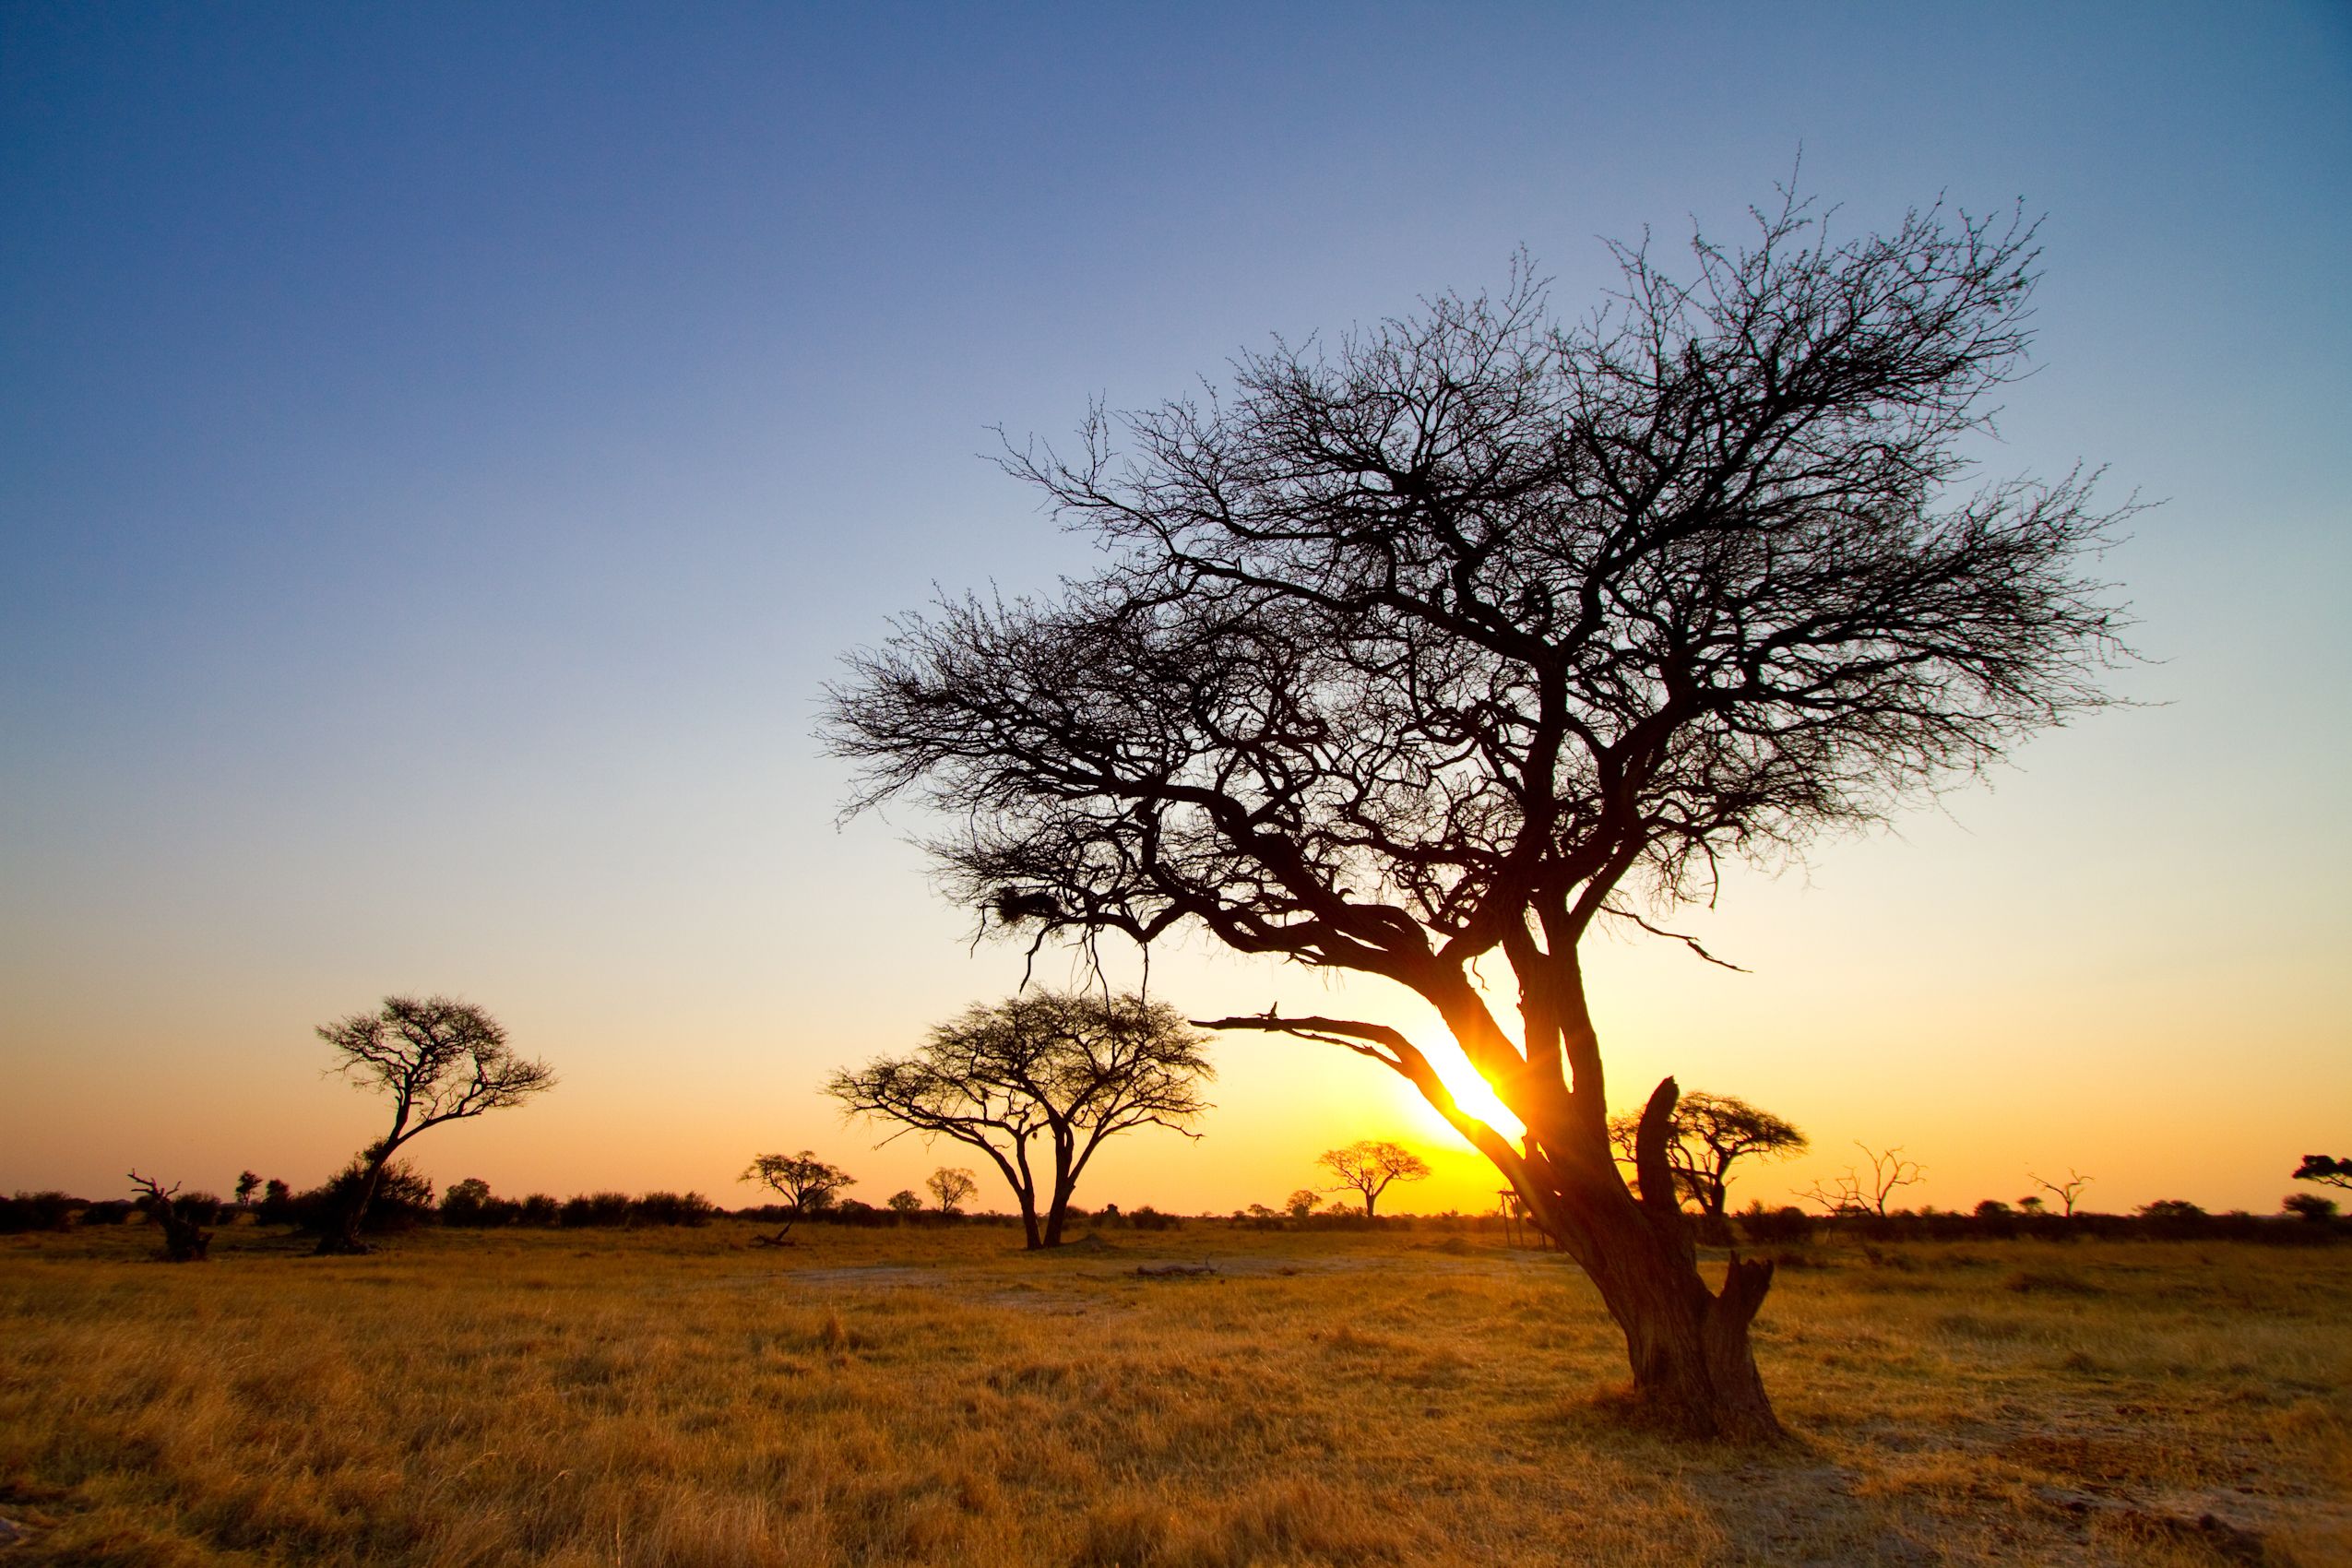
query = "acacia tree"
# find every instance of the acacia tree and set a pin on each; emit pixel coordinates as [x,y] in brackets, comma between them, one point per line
[438,1059]
[1706,1135]
[2322,1168]
[950,1186]
[1369,1165]
[807,1184]
[1478,629]
[1056,1072]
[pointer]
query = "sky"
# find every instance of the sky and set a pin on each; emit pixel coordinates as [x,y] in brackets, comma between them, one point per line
[444,450]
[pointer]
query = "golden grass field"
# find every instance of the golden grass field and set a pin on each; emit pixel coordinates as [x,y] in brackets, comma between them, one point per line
[931,1395]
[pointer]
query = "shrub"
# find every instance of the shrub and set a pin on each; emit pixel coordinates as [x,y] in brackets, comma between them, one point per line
[591,1210]
[1150,1219]
[540,1208]
[107,1211]
[1775,1226]
[198,1209]
[673,1208]
[403,1199]
[2309,1205]
[36,1211]
[277,1206]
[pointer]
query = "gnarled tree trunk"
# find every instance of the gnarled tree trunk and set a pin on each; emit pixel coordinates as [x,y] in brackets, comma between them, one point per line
[1693,1367]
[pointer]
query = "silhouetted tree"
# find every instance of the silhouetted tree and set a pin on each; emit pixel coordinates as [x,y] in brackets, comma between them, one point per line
[1301,1203]
[466,1202]
[951,1187]
[904,1202]
[1851,1192]
[807,1184]
[1706,1135]
[1368,1166]
[438,1061]
[2308,1206]
[247,1181]
[1040,1079]
[1478,629]
[2067,1192]
[184,1240]
[2323,1167]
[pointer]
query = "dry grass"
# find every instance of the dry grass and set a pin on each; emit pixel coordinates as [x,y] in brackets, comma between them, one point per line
[924,1396]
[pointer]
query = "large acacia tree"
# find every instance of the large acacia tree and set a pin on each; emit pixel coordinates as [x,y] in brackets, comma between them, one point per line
[1471,632]
[1037,1082]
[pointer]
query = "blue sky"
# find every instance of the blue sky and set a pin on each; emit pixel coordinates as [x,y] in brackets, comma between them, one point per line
[443,451]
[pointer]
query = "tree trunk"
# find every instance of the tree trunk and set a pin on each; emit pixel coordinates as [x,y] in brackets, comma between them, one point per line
[1693,1368]
[1031,1241]
[1057,1213]
[341,1237]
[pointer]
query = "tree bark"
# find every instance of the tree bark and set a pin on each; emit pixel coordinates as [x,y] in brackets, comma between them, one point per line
[1031,1241]
[1693,1366]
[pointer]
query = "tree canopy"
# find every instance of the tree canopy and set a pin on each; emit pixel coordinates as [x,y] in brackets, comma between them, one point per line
[1368,1166]
[1040,1079]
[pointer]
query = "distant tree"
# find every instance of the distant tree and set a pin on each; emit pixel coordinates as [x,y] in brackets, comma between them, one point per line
[1445,642]
[2327,1169]
[904,1202]
[438,1059]
[1301,1204]
[2068,1191]
[184,1240]
[1852,1193]
[2030,1204]
[2308,1206]
[247,1182]
[1037,1082]
[473,1191]
[1705,1133]
[1369,1166]
[951,1187]
[277,1203]
[807,1184]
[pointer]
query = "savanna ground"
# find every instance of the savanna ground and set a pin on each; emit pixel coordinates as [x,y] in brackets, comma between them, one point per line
[934,1394]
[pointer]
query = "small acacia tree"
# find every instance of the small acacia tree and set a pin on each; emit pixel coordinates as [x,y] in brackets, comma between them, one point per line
[807,1184]
[437,1060]
[2326,1168]
[1707,1134]
[1368,1166]
[950,1186]
[1037,1082]
[1479,629]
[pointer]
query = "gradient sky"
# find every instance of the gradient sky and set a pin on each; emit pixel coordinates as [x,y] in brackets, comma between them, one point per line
[444,450]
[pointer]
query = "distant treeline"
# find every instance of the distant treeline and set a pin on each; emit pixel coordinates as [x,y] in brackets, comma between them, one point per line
[406,1201]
